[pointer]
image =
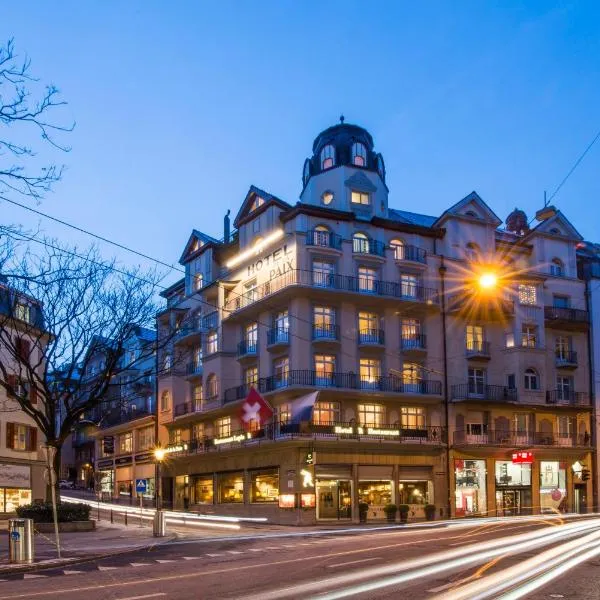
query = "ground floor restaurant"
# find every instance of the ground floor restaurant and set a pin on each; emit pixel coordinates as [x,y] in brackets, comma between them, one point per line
[304,484]
[526,483]
[20,484]
[116,478]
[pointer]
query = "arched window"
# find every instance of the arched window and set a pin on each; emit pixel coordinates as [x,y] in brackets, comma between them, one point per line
[557,268]
[360,243]
[165,400]
[399,249]
[359,154]
[327,157]
[306,173]
[167,362]
[532,380]
[472,252]
[212,387]
[321,235]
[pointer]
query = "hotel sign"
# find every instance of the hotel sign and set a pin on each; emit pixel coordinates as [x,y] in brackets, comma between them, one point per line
[240,437]
[357,430]
[278,262]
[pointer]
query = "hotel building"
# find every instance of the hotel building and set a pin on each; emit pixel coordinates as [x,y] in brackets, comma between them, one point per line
[427,349]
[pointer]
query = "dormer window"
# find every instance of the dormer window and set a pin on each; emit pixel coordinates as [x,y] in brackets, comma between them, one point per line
[198,281]
[359,154]
[258,202]
[327,157]
[360,198]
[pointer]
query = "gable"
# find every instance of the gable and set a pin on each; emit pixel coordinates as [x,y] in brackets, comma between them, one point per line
[557,226]
[471,207]
[256,202]
[195,242]
[360,182]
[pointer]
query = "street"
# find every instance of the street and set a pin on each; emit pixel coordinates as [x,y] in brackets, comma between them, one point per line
[512,558]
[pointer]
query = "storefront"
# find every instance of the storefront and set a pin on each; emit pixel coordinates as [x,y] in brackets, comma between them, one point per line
[15,487]
[553,486]
[334,492]
[375,488]
[470,487]
[513,488]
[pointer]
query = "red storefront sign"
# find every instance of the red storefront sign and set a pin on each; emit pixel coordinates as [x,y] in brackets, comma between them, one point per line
[522,458]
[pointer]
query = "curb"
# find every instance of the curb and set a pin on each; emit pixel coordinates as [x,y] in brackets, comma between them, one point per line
[63,562]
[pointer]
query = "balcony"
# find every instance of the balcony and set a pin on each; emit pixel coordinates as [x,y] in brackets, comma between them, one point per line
[566,318]
[565,359]
[325,333]
[371,337]
[409,253]
[478,349]
[407,292]
[368,246]
[210,321]
[193,369]
[187,408]
[567,397]
[413,343]
[276,337]
[119,417]
[486,393]
[475,307]
[516,439]
[323,239]
[186,333]
[239,392]
[247,349]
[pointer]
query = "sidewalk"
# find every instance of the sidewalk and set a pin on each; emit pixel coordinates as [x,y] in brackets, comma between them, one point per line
[107,540]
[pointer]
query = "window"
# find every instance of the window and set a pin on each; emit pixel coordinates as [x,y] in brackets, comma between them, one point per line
[165,400]
[412,375]
[323,273]
[371,415]
[281,321]
[367,280]
[203,490]
[527,294]
[145,438]
[282,413]
[410,331]
[471,213]
[251,291]
[555,231]
[475,338]
[251,376]
[409,285]
[472,252]
[265,486]
[532,381]
[324,369]
[230,488]
[126,443]
[511,474]
[197,354]
[327,157]
[557,268]
[370,373]
[511,381]
[562,348]
[412,417]
[368,324]
[359,154]
[174,437]
[251,337]
[361,198]
[564,388]
[212,342]
[476,381]
[324,322]
[566,426]
[212,387]
[327,198]
[166,363]
[321,236]
[360,243]
[223,427]
[553,477]
[198,281]
[561,301]
[476,429]
[326,413]
[281,371]
[529,336]
[256,203]
[21,437]
[399,249]
[521,423]
[22,312]
[256,225]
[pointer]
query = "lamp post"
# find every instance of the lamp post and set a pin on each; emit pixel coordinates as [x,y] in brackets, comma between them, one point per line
[159,455]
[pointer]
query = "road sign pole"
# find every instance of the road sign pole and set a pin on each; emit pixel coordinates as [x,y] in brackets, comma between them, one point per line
[141,510]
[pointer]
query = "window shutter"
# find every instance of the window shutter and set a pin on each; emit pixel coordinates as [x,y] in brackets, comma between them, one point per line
[32,395]
[32,439]
[10,435]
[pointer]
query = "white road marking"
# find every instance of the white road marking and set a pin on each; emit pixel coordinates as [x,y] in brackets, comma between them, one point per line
[233,552]
[140,597]
[33,576]
[67,572]
[191,557]
[215,555]
[351,562]
[140,564]
[101,568]
[164,560]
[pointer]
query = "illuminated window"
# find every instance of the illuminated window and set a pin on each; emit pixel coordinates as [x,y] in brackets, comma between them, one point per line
[399,249]
[212,342]
[145,438]
[197,354]
[251,291]
[367,279]
[371,415]
[197,395]
[165,400]
[327,198]
[529,336]
[368,324]
[256,203]
[198,431]
[521,423]
[251,376]
[321,236]
[327,157]
[360,198]
[203,490]
[324,322]
[212,387]
[527,294]
[265,486]
[174,437]
[324,369]
[283,413]
[532,381]
[22,312]
[412,373]
[230,488]
[410,331]
[282,322]
[126,443]
[557,268]
[370,373]
[409,285]
[326,413]
[20,437]
[323,273]
[223,427]
[474,338]
[251,336]
[359,154]
[281,371]
[412,417]
[198,281]
[360,243]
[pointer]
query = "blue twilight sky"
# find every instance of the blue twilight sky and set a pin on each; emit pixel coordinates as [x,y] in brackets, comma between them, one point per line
[180,106]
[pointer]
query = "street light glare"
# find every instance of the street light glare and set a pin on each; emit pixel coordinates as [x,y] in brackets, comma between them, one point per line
[488,281]
[159,453]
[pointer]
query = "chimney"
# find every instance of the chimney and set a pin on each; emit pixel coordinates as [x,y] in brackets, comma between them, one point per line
[226,228]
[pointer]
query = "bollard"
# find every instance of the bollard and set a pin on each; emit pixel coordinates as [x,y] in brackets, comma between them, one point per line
[159,526]
[111,516]
[20,540]
[125,518]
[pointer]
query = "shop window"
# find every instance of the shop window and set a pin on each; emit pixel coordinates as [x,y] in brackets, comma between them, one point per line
[376,494]
[413,492]
[12,498]
[470,491]
[371,415]
[510,474]
[203,490]
[553,486]
[126,443]
[124,488]
[326,413]
[145,438]
[264,486]
[230,488]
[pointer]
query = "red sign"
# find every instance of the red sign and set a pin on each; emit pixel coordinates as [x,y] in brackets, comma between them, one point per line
[308,500]
[522,458]
[256,411]
[556,495]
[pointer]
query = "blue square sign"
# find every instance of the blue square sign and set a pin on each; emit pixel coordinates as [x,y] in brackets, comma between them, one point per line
[141,486]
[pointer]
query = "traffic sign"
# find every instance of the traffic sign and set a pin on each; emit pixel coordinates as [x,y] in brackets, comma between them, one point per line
[141,486]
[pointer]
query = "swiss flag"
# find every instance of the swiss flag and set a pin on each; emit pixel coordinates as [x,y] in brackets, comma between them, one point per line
[256,411]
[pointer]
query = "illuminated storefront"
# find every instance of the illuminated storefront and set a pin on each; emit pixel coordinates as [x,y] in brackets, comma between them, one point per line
[334,492]
[15,487]
[230,488]
[553,486]
[470,492]
[264,485]
[513,488]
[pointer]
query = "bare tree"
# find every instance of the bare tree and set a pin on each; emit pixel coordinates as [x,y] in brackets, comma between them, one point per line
[27,113]
[56,304]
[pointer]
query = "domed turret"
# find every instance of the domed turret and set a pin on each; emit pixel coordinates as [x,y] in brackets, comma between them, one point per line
[517,222]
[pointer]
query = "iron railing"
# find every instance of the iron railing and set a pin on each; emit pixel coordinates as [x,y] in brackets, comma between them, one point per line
[478,348]
[278,335]
[371,336]
[413,342]
[368,246]
[327,239]
[565,358]
[515,439]
[412,253]
[567,397]
[325,332]
[194,368]
[247,348]
[492,393]
[572,315]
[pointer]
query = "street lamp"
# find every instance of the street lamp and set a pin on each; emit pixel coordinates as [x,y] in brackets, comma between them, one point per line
[159,455]
[488,280]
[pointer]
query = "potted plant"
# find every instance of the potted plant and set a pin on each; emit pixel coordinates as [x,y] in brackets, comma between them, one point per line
[363,509]
[430,512]
[390,511]
[404,509]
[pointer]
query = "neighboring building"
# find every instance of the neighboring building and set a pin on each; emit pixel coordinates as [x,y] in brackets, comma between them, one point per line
[22,464]
[371,307]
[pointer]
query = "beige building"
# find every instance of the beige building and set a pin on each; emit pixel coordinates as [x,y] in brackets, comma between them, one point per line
[392,376]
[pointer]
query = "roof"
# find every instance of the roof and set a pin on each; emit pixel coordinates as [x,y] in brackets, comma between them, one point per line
[404,216]
[268,198]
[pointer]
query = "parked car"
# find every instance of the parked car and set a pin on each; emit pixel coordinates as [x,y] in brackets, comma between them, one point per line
[65,484]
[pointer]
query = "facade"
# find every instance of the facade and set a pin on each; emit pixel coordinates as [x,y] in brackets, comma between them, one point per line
[21,462]
[392,376]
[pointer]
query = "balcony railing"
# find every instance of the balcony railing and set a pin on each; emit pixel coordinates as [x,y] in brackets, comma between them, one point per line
[238,392]
[119,417]
[278,335]
[187,408]
[565,358]
[411,253]
[504,437]
[368,246]
[325,332]
[194,368]
[491,393]
[210,320]
[247,348]
[567,398]
[478,348]
[567,315]
[326,239]
[413,342]
[371,337]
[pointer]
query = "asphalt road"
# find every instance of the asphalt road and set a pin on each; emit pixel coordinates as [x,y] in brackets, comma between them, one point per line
[466,560]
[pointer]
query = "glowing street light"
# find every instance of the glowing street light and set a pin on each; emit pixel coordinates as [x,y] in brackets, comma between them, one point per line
[488,281]
[159,454]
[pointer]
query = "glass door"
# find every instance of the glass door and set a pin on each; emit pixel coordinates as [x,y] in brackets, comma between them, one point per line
[334,499]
